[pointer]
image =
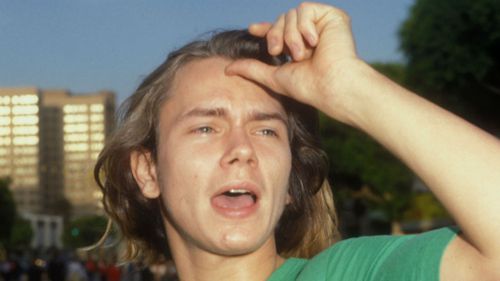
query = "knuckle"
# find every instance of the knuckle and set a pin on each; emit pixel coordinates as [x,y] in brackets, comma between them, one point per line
[305,5]
[345,17]
[342,15]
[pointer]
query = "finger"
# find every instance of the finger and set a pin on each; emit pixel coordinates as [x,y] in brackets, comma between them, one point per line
[275,37]
[259,29]
[306,19]
[256,71]
[293,38]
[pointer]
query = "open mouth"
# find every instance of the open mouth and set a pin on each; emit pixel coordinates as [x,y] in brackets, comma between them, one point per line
[235,199]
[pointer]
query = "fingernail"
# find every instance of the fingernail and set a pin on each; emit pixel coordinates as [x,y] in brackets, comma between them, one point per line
[252,26]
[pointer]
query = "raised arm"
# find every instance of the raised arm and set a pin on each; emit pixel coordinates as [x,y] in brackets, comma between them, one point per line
[459,162]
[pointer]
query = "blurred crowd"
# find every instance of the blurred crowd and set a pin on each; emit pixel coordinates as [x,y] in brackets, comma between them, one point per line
[58,265]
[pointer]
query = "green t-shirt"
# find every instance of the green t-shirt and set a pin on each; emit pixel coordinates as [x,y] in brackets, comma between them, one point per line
[408,257]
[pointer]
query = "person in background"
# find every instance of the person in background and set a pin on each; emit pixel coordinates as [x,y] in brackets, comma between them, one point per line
[113,272]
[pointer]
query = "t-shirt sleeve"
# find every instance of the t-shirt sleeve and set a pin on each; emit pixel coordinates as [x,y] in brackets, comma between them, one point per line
[408,257]
[417,258]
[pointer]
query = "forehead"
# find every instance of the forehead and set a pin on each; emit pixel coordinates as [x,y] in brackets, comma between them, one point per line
[204,83]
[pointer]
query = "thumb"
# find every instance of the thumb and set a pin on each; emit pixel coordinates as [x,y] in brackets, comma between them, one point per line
[256,71]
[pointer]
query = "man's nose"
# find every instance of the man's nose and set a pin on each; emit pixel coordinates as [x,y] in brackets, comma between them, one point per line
[240,150]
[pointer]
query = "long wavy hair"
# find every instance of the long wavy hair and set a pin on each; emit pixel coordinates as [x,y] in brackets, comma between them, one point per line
[307,225]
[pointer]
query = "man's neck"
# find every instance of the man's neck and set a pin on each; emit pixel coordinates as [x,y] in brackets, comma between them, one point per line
[194,264]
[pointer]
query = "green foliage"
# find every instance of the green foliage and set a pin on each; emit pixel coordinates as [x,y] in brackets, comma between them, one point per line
[452,49]
[395,71]
[21,234]
[84,231]
[358,162]
[7,211]
[15,232]
[424,206]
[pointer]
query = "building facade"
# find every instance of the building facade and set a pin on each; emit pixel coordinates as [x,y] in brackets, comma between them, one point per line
[49,142]
[47,230]
[19,149]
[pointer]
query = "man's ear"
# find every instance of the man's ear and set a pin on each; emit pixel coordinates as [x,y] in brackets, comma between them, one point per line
[144,172]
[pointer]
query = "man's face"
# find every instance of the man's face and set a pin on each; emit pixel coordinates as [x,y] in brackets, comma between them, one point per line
[223,161]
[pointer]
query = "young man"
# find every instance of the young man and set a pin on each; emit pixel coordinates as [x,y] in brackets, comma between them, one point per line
[214,157]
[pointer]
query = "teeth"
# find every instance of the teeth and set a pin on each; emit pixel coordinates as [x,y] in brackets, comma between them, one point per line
[239,191]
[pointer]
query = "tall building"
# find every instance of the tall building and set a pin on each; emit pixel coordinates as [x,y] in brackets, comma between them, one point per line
[19,149]
[49,142]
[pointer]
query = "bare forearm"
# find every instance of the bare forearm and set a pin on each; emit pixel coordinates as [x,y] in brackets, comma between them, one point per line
[458,161]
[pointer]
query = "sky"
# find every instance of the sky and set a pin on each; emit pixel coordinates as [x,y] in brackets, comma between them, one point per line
[90,45]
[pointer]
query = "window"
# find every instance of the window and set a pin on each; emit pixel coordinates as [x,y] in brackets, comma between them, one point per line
[4,110]
[97,127]
[26,161]
[25,171]
[25,120]
[97,108]
[5,121]
[76,118]
[97,146]
[76,147]
[5,100]
[25,130]
[97,137]
[25,109]
[75,108]
[96,117]
[75,156]
[25,99]
[5,141]
[75,137]
[31,140]
[25,150]
[70,128]
[4,131]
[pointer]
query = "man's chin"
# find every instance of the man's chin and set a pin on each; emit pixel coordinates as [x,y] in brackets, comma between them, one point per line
[239,246]
[235,251]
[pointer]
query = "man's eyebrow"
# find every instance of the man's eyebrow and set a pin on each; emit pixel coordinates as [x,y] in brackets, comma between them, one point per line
[264,116]
[222,113]
[203,112]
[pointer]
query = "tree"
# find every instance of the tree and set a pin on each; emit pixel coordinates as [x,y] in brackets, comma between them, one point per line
[84,231]
[21,234]
[452,50]
[367,178]
[424,206]
[15,232]
[7,211]
[363,172]
[395,71]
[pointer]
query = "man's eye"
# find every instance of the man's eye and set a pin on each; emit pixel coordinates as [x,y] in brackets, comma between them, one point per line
[268,132]
[204,130]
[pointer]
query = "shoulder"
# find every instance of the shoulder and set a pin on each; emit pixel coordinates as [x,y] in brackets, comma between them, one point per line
[408,257]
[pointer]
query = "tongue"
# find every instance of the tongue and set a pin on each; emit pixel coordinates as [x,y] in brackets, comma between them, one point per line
[233,202]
